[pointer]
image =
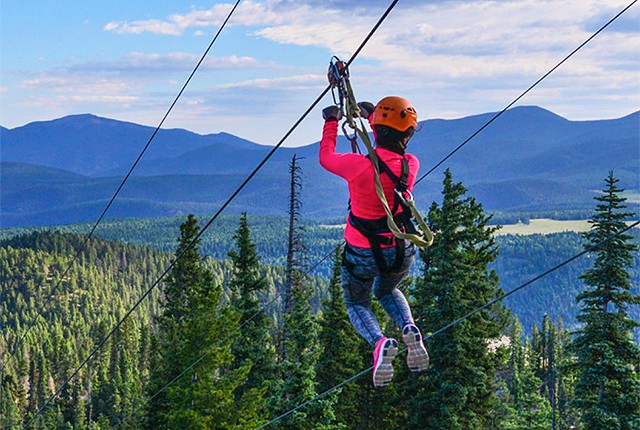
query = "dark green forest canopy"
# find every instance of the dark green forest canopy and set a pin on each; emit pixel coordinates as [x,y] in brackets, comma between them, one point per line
[110,275]
[520,257]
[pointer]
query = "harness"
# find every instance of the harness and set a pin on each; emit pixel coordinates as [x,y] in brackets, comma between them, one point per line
[377,230]
[400,224]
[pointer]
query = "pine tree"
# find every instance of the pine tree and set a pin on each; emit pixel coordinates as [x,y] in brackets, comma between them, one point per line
[543,351]
[607,389]
[194,326]
[549,359]
[9,409]
[299,344]
[566,415]
[254,346]
[458,391]
[342,353]
[532,409]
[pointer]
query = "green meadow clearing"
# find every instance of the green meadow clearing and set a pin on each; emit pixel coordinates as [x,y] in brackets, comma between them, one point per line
[545,226]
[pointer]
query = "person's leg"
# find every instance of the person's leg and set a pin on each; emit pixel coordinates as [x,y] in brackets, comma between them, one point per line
[395,304]
[357,300]
[357,275]
[358,271]
[386,289]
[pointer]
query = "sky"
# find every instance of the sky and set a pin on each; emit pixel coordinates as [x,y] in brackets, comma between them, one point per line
[127,60]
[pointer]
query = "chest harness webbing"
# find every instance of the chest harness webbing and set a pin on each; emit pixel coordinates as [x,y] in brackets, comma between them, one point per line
[377,231]
[339,79]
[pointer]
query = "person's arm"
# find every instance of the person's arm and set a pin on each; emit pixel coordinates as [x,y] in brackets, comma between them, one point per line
[414,168]
[329,159]
[339,164]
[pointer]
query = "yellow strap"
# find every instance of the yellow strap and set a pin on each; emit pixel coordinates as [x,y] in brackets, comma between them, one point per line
[426,239]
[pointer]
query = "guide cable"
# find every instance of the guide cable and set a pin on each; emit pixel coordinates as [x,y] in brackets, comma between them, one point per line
[213,218]
[19,340]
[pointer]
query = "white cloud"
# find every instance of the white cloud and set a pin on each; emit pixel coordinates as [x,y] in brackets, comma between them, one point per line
[454,39]
[453,58]
[63,83]
[171,62]
[460,39]
[290,83]
[249,13]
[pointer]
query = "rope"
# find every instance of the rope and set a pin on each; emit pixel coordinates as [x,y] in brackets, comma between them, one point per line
[492,302]
[459,320]
[424,240]
[213,218]
[126,178]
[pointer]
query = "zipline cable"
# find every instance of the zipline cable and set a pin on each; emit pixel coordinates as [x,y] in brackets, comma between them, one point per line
[492,302]
[497,115]
[463,144]
[459,320]
[126,178]
[543,77]
[213,218]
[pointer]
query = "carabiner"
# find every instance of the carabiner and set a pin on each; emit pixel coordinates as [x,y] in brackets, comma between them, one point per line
[352,139]
[402,198]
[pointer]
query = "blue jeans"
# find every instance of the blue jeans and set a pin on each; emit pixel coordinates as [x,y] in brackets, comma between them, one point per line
[364,277]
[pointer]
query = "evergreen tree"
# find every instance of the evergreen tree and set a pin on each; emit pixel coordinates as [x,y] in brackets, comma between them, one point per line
[549,359]
[543,351]
[194,326]
[254,346]
[607,389]
[299,345]
[566,416]
[458,391]
[532,409]
[9,409]
[342,353]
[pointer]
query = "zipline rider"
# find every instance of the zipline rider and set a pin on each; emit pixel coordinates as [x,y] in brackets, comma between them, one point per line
[373,258]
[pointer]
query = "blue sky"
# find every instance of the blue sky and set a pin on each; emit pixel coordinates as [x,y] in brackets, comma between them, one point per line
[127,60]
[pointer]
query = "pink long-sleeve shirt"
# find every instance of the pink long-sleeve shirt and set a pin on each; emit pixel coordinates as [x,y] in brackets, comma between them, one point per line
[358,171]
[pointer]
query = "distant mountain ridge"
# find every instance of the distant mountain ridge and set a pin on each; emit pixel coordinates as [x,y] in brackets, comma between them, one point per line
[65,170]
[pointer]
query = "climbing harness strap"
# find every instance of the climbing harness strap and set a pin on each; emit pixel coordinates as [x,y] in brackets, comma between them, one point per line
[339,79]
[376,231]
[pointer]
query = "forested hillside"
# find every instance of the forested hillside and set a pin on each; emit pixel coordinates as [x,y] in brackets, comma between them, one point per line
[520,258]
[530,160]
[109,276]
[54,333]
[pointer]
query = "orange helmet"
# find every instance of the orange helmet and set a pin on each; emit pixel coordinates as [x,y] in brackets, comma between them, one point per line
[395,112]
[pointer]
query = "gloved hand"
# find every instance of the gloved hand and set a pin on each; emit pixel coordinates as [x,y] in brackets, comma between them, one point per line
[332,113]
[366,109]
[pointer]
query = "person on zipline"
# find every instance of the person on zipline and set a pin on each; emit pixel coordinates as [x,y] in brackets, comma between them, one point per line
[373,258]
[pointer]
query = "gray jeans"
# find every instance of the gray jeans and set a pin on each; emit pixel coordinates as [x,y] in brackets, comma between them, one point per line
[364,277]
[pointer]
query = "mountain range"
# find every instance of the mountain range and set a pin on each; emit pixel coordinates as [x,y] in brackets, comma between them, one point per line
[529,159]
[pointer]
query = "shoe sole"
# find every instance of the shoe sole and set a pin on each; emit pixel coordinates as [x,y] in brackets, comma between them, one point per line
[383,373]
[417,356]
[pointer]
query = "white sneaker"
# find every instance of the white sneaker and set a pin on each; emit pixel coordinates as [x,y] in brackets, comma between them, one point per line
[383,355]
[417,356]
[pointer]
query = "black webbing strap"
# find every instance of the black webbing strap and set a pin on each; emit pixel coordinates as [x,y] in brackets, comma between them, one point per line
[400,182]
[372,229]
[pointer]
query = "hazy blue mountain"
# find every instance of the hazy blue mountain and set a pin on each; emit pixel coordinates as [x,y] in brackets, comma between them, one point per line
[66,170]
[91,145]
